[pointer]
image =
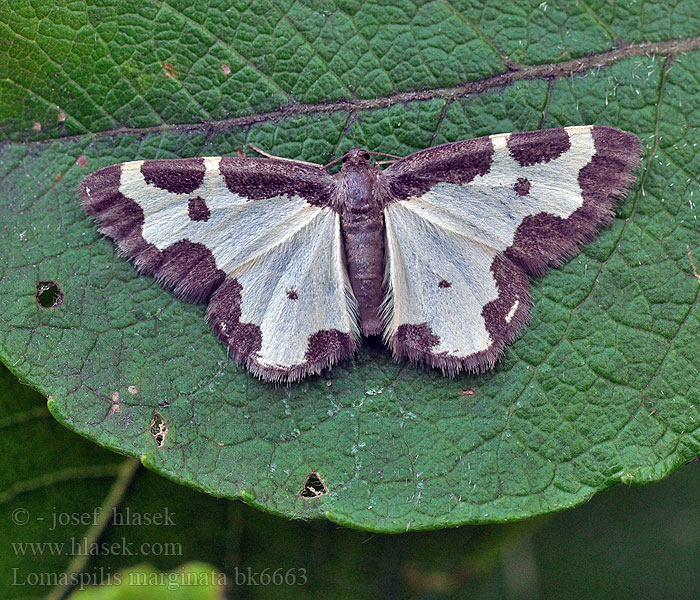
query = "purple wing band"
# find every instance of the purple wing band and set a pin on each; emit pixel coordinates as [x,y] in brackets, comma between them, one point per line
[544,240]
[258,178]
[186,268]
[458,162]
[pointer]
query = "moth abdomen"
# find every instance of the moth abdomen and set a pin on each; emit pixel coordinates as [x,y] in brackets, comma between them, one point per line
[362,224]
[363,239]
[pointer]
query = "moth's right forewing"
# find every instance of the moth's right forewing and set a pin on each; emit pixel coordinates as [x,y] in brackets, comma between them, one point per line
[471,220]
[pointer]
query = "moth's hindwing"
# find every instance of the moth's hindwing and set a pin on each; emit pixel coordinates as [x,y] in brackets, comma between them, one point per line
[474,218]
[252,236]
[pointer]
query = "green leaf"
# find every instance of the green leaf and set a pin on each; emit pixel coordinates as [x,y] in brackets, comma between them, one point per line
[600,388]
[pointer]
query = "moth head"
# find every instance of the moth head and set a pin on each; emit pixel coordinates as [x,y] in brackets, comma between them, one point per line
[355,157]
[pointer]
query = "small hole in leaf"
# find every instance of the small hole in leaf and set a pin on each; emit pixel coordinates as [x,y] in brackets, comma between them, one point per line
[159,430]
[313,486]
[48,294]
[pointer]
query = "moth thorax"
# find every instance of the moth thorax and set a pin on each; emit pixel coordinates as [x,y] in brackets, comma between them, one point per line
[360,197]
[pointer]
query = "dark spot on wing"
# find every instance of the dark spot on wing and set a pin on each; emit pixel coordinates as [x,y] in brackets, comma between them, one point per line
[443,283]
[533,147]
[522,186]
[48,294]
[292,295]
[190,269]
[197,209]
[178,175]
[512,284]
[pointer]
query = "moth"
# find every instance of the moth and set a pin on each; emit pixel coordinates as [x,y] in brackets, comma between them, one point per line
[434,252]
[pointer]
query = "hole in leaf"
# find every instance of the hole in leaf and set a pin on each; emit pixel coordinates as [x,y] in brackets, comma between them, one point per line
[48,294]
[159,430]
[313,486]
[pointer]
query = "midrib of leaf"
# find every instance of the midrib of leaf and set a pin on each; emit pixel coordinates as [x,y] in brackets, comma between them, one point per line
[549,71]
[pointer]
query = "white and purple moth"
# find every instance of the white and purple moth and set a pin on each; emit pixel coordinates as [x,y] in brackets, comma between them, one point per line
[434,252]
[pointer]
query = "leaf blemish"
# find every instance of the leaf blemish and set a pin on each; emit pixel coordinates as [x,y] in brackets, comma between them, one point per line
[115,398]
[314,487]
[169,70]
[692,262]
[49,294]
[159,430]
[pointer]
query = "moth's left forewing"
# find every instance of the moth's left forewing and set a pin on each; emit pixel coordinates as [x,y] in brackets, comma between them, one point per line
[471,220]
[254,237]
